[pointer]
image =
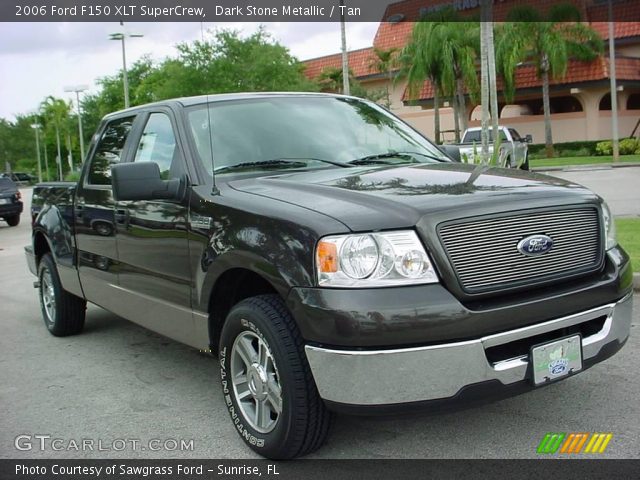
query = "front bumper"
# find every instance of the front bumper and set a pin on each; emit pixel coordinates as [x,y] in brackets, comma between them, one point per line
[10,209]
[371,378]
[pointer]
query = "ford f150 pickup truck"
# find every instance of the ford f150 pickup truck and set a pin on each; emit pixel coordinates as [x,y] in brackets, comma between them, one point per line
[514,149]
[333,259]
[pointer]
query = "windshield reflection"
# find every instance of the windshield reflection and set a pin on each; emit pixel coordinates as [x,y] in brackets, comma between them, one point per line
[326,130]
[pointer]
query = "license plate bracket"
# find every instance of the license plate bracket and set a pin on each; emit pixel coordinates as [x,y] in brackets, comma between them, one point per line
[555,360]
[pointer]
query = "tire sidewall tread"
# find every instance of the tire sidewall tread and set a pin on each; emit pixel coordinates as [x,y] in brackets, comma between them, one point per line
[304,421]
[70,309]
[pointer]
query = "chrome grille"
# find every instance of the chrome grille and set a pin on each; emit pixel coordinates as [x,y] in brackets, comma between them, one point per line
[485,256]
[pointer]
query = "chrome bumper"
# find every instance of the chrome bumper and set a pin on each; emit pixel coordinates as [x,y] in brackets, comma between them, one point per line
[383,377]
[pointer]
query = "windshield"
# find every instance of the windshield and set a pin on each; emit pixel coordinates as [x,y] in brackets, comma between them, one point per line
[302,132]
[475,136]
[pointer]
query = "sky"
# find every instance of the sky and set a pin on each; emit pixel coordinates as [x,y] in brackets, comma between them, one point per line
[41,59]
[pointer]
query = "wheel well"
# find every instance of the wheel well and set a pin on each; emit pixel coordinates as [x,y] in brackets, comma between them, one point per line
[40,246]
[232,287]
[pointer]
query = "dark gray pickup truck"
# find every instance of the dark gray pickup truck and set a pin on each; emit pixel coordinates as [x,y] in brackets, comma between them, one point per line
[332,257]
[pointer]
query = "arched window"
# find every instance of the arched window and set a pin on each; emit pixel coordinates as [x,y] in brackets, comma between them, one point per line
[605,102]
[633,102]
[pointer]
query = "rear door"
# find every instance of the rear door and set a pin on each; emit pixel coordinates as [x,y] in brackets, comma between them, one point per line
[94,215]
[152,238]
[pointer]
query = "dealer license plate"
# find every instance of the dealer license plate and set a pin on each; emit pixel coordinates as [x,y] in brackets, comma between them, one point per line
[557,359]
[4,200]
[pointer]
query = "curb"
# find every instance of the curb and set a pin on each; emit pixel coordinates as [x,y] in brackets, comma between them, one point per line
[592,166]
[636,282]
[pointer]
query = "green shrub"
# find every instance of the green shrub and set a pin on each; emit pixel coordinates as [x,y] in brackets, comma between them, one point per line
[566,149]
[629,146]
[579,152]
[604,148]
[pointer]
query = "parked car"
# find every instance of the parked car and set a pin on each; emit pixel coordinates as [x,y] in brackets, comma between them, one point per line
[20,178]
[332,257]
[10,202]
[514,149]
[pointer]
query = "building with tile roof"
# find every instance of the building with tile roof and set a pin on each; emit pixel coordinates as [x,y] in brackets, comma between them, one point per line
[580,101]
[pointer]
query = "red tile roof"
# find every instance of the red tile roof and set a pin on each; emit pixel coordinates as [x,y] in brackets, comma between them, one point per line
[577,72]
[359,63]
[395,35]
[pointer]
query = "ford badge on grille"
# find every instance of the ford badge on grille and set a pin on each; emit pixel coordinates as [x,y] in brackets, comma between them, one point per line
[535,245]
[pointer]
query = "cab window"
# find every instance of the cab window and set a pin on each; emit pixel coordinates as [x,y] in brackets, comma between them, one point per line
[109,150]
[158,144]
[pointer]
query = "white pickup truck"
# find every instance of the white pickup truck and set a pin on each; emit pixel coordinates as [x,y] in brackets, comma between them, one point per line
[514,149]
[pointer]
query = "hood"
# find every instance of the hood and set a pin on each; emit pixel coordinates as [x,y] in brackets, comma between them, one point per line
[366,198]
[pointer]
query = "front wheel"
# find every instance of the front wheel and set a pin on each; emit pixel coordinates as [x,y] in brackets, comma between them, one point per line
[62,311]
[267,383]
[525,164]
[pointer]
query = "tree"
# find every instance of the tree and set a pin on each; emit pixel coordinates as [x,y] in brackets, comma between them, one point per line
[17,144]
[227,63]
[421,59]
[444,49]
[55,112]
[548,42]
[385,61]
[330,80]
[110,98]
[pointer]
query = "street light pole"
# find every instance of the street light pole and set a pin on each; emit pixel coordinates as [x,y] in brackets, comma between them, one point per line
[125,80]
[346,89]
[36,127]
[77,89]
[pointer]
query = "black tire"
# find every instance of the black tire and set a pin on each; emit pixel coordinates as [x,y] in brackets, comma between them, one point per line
[525,164]
[66,317]
[507,162]
[303,422]
[13,221]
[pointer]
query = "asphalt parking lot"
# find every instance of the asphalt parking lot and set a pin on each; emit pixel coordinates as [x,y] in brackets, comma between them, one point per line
[117,381]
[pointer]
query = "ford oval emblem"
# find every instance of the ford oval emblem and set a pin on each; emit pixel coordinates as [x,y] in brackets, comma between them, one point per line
[535,245]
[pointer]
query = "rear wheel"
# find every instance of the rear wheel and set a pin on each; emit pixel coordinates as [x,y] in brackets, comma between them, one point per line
[63,312]
[13,221]
[267,383]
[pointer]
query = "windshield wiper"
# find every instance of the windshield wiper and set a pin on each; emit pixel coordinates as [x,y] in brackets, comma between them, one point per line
[381,157]
[276,163]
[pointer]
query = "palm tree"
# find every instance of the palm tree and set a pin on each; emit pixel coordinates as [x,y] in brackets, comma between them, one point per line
[419,60]
[384,62]
[444,50]
[548,42]
[56,112]
[331,79]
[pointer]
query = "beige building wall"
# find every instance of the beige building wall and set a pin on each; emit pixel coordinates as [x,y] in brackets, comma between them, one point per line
[590,124]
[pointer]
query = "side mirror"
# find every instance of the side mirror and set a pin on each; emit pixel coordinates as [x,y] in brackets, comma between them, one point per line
[142,181]
[451,151]
[528,138]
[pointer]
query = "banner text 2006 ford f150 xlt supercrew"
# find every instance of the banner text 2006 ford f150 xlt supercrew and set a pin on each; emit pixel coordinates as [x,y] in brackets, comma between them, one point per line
[332,257]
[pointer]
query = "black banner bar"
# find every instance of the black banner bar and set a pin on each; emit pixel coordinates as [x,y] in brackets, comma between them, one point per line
[119,469]
[281,10]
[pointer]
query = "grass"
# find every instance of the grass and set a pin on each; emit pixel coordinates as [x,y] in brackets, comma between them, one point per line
[568,161]
[629,237]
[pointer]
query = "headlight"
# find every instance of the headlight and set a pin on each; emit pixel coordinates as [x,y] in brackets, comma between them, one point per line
[373,260]
[609,227]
